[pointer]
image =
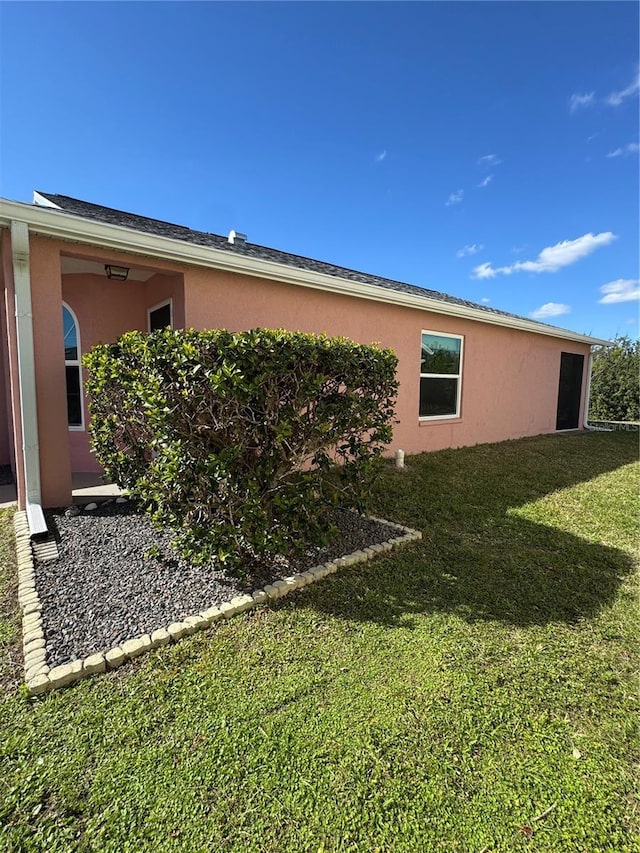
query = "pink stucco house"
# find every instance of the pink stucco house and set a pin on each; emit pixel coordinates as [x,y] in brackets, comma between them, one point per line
[74,274]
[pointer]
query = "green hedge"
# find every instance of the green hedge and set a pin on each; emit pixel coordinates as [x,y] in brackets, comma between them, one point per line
[615,381]
[239,442]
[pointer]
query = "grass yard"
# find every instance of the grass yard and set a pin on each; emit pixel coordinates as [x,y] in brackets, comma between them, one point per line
[474,692]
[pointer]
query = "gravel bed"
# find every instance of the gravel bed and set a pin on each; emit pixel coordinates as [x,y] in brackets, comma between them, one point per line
[105,589]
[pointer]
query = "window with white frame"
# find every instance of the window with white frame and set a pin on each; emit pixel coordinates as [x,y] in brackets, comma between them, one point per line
[72,355]
[440,375]
[160,316]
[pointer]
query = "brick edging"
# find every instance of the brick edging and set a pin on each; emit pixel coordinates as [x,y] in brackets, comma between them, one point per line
[40,678]
[33,644]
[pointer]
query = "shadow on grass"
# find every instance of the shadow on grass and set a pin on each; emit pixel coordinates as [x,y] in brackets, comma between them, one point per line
[478,558]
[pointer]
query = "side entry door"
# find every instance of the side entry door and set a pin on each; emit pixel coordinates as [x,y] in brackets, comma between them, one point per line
[569,390]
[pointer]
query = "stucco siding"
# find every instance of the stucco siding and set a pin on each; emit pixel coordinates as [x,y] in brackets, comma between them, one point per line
[46,302]
[105,309]
[509,379]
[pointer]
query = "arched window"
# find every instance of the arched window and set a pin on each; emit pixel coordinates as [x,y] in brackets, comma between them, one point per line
[72,355]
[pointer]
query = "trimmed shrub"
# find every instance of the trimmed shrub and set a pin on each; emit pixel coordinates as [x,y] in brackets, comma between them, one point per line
[239,442]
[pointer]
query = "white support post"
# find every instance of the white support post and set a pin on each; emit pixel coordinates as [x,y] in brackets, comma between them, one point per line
[27,376]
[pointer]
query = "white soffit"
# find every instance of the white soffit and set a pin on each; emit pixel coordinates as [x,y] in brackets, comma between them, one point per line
[72,266]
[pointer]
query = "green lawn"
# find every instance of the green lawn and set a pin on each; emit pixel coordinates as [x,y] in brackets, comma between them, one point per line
[473,692]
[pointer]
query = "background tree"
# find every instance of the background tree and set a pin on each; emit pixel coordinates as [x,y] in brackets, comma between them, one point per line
[615,382]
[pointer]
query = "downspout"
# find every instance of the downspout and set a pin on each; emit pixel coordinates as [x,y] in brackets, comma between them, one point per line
[27,377]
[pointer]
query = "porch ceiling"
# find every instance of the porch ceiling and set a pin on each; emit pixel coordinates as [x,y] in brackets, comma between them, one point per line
[83,265]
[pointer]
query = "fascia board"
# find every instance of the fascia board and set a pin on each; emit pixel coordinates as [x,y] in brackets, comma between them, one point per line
[77,229]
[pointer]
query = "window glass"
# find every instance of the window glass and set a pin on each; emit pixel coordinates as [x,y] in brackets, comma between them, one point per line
[440,375]
[72,368]
[70,336]
[74,404]
[160,318]
[438,396]
[440,355]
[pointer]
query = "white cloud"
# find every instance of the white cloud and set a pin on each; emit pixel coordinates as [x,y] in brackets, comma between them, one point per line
[473,249]
[454,198]
[552,258]
[616,98]
[489,160]
[485,182]
[567,252]
[550,309]
[486,300]
[621,290]
[630,148]
[484,271]
[613,99]
[577,102]
[382,156]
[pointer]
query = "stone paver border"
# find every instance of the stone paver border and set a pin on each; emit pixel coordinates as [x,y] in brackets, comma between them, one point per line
[40,678]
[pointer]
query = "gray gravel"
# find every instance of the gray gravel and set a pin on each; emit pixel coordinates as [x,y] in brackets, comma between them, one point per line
[104,588]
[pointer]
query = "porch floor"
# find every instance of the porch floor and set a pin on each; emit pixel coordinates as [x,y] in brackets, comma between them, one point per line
[86,488]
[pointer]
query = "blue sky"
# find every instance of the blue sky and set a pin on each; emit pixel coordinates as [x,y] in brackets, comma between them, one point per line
[487,150]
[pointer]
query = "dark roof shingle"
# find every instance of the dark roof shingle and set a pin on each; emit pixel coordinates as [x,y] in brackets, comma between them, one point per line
[147,225]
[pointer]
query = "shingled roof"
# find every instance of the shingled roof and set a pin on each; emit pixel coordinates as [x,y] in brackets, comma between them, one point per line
[146,225]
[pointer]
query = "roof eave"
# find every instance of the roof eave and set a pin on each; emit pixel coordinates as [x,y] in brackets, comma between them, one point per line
[56,223]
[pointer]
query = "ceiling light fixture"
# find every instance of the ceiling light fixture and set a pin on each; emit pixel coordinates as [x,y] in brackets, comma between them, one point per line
[116,273]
